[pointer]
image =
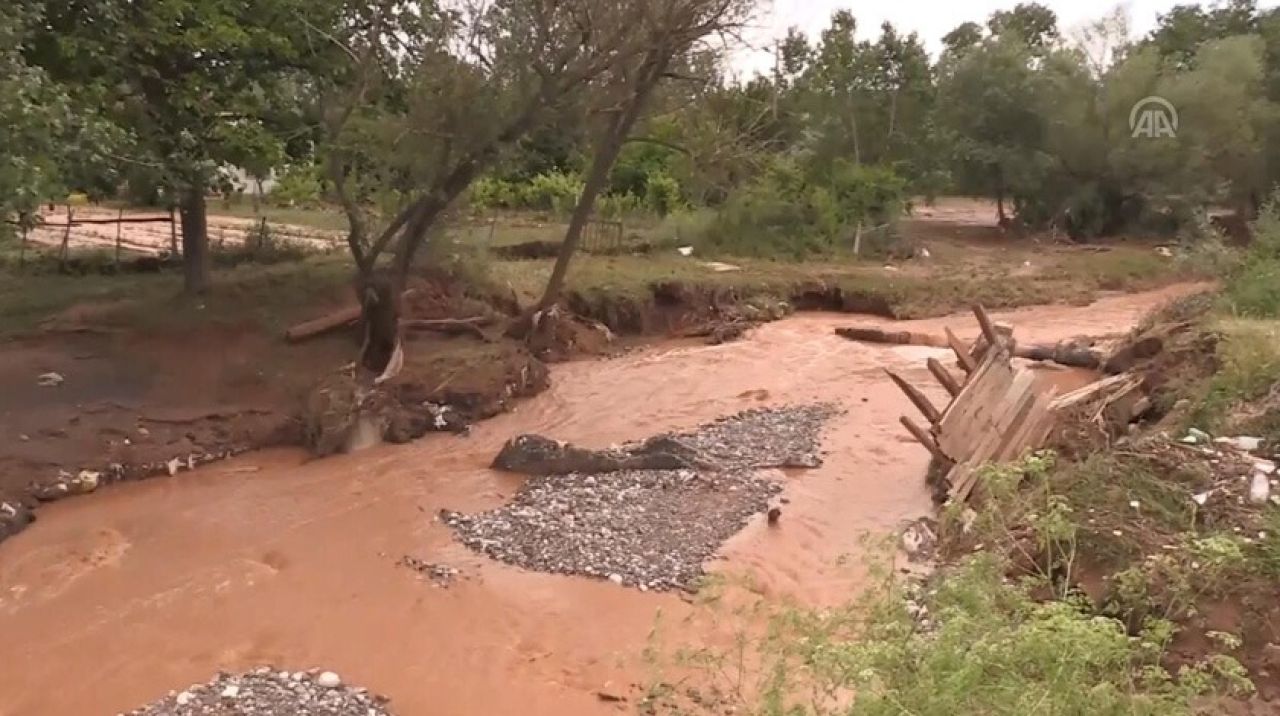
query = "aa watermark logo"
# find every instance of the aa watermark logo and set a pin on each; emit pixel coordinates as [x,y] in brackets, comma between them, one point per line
[1153,117]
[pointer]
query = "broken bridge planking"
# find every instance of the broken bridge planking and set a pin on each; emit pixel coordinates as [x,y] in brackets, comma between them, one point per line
[995,414]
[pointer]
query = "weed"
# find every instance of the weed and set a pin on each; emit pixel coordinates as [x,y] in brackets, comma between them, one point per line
[990,648]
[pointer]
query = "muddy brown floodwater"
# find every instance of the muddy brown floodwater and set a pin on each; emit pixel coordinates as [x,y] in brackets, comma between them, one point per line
[110,601]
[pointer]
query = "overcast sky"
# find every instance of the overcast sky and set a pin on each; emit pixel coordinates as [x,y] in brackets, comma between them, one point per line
[930,18]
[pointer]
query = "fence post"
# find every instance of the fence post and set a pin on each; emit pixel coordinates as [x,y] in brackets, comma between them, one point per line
[173,235]
[66,237]
[119,228]
[22,248]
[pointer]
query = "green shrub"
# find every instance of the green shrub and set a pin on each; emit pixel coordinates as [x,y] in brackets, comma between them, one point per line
[1254,291]
[298,185]
[556,192]
[786,212]
[493,193]
[662,194]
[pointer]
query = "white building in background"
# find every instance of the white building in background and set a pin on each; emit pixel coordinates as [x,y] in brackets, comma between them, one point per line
[250,186]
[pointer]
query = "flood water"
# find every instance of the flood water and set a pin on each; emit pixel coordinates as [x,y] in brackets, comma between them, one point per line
[110,601]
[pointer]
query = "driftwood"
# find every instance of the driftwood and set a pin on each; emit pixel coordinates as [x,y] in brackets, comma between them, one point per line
[332,322]
[1068,353]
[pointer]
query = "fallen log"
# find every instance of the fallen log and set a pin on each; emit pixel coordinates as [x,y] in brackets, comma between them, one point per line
[1068,353]
[877,335]
[331,322]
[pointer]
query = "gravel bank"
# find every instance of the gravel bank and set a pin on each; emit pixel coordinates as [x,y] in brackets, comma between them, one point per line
[268,692]
[651,529]
[764,437]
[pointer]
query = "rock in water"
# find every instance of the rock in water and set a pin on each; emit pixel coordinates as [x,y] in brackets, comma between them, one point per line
[329,680]
[538,455]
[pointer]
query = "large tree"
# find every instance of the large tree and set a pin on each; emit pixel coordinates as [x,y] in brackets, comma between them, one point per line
[191,82]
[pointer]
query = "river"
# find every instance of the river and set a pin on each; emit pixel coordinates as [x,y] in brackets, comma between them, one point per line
[110,601]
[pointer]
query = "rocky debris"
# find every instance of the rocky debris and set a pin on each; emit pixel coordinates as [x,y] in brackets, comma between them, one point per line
[14,517]
[650,529]
[920,539]
[268,692]
[763,437]
[441,575]
[538,455]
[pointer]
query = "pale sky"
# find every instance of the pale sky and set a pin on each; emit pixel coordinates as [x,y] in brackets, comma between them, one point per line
[931,19]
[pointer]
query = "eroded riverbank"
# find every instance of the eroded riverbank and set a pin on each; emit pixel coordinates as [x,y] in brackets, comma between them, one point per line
[112,600]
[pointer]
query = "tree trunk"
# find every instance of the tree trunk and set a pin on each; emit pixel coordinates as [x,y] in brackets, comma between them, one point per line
[606,155]
[195,240]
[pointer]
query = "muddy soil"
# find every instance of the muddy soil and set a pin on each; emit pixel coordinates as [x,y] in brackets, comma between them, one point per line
[110,601]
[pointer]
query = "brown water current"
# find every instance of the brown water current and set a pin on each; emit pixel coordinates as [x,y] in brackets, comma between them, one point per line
[109,601]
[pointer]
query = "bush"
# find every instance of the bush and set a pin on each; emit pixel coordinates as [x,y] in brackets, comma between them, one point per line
[298,185]
[556,192]
[788,213]
[1254,291]
[494,193]
[662,194]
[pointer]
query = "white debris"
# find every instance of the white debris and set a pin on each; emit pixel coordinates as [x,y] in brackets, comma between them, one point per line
[1266,467]
[49,380]
[721,267]
[924,253]
[685,250]
[1135,504]
[1259,488]
[1165,251]
[230,692]
[183,698]
[172,466]
[1245,443]
[615,578]
[1201,498]
[1196,436]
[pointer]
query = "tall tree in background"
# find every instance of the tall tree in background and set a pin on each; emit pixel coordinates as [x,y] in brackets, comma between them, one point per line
[666,34]
[189,82]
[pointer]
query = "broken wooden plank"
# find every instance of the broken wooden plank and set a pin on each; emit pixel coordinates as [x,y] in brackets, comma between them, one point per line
[944,377]
[923,437]
[965,360]
[917,398]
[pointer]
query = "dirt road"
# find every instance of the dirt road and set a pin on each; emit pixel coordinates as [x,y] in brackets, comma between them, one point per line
[111,600]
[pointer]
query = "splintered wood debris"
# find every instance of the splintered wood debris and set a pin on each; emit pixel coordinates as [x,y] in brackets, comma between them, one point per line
[998,410]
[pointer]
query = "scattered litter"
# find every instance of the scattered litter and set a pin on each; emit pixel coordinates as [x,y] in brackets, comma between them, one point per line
[172,466]
[685,250]
[49,380]
[721,267]
[1165,251]
[924,253]
[887,267]
[1195,436]
[1244,443]
[1201,498]
[1135,504]
[1259,489]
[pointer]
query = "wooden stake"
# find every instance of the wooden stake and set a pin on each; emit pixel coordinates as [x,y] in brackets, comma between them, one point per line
[917,398]
[22,248]
[66,236]
[924,438]
[988,328]
[119,228]
[944,377]
[962,356]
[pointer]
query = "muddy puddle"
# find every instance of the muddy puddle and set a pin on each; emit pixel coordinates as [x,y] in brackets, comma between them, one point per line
[112,600]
